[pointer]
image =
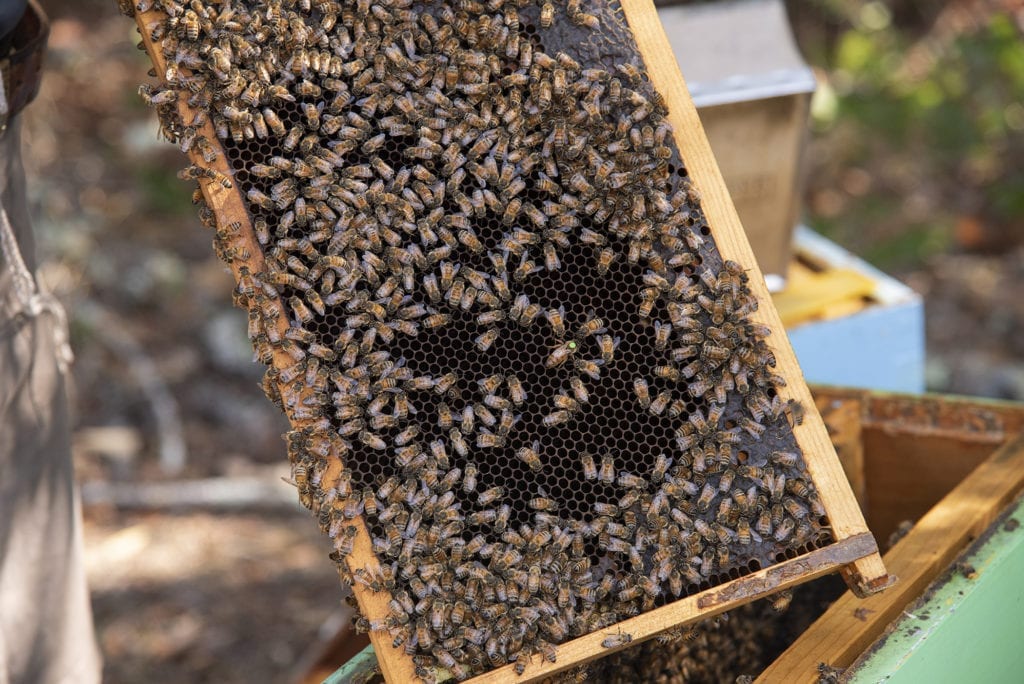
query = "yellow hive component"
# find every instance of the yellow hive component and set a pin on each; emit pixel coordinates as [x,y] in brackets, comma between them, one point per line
[821,294]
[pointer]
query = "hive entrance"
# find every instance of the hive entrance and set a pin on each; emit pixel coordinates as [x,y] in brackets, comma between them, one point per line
[472,252]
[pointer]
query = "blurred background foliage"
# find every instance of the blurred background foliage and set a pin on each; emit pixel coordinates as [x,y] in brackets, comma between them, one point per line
[919,126]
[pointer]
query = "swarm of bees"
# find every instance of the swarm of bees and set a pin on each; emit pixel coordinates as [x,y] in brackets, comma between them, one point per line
[504,308]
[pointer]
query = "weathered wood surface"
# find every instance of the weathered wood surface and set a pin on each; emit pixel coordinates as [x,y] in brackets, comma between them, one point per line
[850,625]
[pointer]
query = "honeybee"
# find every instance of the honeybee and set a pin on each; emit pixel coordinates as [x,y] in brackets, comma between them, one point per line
[436,320]
[542,504]
[516,391]
[547,14]
[589,466]
[469,478]
[553,628]
[259,199]
[500,403]
[490,383]
[579,389]
[551,260]
[518,308]
[592,326]
[458,442]
[468,419]
[660,403]
[589,367]
[406,435]
[445,382]
[194,171]
[661,466]
[489,440]
[556,317]
[785,458]
[607,346]
[522,660]
[661,335]
[780,602]
[642,391]
[530,455]
[502,518]
[607,472]
[617,640]
[794,508]
[344,544]
[630,481]
[794,412]
[556,418]
[707,495]
[561,353]
[274,122]
[445,418]
[751,426]
[491,317]
[564,401]
[784,530]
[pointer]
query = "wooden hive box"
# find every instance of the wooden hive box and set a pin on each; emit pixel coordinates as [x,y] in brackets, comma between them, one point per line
[753,92]
[250,226]
[951,466]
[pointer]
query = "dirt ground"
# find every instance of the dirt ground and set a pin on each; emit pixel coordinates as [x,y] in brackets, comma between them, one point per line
[165,387]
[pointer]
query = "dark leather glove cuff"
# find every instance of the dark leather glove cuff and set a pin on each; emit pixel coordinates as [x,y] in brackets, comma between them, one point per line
[22,67]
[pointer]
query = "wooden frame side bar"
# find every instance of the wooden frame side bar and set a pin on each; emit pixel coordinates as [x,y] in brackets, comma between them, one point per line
[867,574]
[229,206]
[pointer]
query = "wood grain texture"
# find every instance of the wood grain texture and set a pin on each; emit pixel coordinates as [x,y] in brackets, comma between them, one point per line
[908,473]
[229,207]
[844,425]
[699,606]
[867,574]
[851,625]
[917,448]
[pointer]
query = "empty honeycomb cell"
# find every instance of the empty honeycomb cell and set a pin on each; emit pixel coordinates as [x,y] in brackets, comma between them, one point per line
[419,243]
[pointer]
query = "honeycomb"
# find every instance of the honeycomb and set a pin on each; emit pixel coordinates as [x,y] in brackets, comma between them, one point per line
[504,303]
[732,647]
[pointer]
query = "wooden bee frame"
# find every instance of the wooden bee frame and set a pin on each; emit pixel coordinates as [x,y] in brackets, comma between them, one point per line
[853,550]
